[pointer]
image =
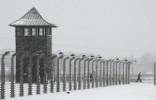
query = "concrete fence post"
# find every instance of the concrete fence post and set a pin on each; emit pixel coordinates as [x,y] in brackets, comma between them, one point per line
[93,77]
[119,73]
[52,74]
[110,73]
[96,73]
[85,76]
[38,76]
[88,74]
[12,88]
[116,73]
[123,73]
[75,75]
[3,74]
[64,73]
[113,76]
[107,63]
[79,73]
[100,74]
[45,75]
[104,79]
[21,76]
[70,71]
[30,75]
[154,73]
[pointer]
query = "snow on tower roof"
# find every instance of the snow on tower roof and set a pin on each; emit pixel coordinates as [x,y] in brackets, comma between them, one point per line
[32,18]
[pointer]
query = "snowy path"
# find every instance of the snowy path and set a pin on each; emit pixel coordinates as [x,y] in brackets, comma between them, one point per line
[134,91]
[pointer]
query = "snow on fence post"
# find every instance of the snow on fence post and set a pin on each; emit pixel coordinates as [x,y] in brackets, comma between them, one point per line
[12,87]
[3,74]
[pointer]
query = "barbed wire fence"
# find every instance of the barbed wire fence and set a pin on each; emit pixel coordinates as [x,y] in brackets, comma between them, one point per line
[66,73]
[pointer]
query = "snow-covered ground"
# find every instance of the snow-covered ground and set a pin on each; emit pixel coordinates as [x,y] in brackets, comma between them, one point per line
[134,91]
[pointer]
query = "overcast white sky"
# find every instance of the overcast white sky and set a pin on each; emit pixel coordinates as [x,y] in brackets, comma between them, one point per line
[107,27]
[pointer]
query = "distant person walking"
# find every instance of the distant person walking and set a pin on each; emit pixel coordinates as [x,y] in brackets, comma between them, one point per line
[139,77]
[91,77]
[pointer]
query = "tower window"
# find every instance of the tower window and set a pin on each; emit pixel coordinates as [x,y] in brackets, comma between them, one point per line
[33,31]
[19,31]
[41,31]
[26,32]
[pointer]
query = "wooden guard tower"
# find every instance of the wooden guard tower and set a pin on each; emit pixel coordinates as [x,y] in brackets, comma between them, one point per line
[33,33]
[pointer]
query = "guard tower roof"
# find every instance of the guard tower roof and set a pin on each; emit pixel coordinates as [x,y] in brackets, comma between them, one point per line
[32,18]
